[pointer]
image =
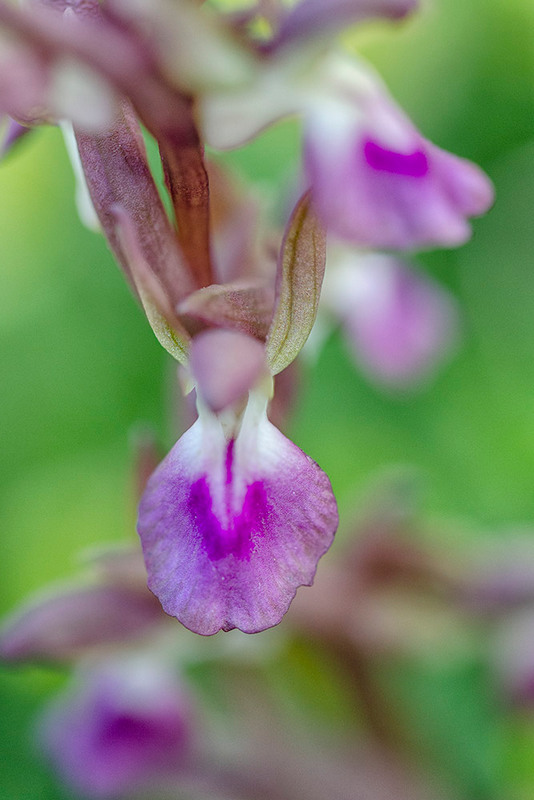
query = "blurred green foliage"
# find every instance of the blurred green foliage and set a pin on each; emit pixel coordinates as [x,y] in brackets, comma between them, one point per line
[81,367]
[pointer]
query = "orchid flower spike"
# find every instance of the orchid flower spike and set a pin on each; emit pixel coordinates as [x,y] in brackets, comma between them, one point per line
[236,517]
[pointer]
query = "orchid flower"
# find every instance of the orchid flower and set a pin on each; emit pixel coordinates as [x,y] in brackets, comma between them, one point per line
[236,517]
[399,324]
[121,726]
[376,181]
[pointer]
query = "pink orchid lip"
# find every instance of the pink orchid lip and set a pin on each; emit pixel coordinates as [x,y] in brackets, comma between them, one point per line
[235,536]
[375,196]
[232,525]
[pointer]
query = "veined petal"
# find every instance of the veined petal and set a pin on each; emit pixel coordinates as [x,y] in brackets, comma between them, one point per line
[154,295]
[231,527]
[245,306]
[298,285]
[117,174]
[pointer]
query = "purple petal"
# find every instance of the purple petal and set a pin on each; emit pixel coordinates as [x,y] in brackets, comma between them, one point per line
[231,528]
[226,365]
[119,727]
[401,325]
[377,182]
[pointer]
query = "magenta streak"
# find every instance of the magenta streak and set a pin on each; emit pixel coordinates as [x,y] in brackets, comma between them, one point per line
[237,535]
[414,165]
[229,461]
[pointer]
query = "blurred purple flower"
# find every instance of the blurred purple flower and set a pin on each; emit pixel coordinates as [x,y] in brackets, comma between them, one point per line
[399,323]
[120,726]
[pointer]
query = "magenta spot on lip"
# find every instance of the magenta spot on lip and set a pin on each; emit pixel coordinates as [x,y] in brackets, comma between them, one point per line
[237,536]
[414,165]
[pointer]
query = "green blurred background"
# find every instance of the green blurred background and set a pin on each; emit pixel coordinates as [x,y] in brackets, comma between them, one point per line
[81,369]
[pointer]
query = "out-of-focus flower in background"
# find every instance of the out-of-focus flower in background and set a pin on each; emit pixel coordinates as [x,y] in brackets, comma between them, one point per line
[400,325]
[120,726]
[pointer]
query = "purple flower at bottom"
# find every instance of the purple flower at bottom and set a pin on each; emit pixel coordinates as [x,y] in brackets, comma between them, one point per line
[234,519]
[123,725]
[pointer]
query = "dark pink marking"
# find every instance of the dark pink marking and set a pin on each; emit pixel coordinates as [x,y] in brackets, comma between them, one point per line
[229,461]
[141,735]
[239,535]
[415,164]
[128,730]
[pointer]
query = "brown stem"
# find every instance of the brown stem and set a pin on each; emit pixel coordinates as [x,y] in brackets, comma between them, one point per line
[187,181]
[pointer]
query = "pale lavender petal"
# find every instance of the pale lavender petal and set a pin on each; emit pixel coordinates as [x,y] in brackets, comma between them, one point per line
[231,528]
[226,365]
[118,727]
[381,198]
[401,325]
[376,181]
